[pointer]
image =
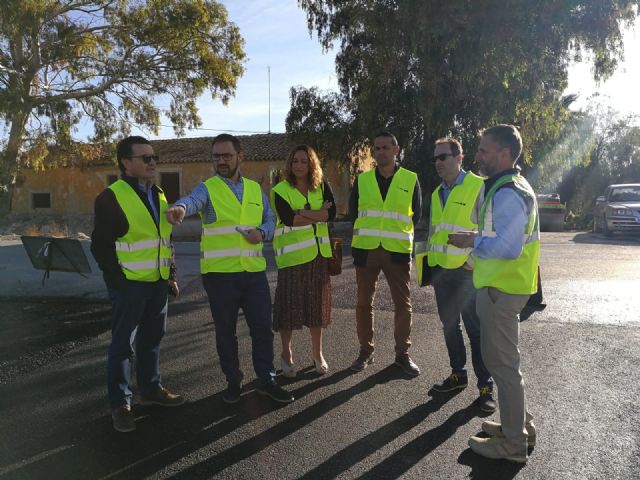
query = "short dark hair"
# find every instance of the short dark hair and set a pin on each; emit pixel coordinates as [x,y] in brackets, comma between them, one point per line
[454,144]
[226,137]
[506,136]
[124,150]
[390,135]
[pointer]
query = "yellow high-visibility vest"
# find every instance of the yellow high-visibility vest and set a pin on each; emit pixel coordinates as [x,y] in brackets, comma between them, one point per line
[388,223]
[298,245]
[222,247]
[455,217]
[144,252]
[518,276]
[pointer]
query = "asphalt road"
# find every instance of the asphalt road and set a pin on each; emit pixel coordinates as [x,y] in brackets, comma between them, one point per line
[580,360]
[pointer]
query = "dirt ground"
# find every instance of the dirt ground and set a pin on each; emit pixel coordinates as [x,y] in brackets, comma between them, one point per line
[69,226]
[35,332]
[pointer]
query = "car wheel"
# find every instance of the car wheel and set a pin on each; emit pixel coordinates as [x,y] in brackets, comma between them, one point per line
[605,227]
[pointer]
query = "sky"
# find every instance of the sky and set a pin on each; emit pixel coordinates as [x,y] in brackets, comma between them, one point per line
[276,36]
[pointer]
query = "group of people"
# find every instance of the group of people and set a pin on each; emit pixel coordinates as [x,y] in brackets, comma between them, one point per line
[482,253]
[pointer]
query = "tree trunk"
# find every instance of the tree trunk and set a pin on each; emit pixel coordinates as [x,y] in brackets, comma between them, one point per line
[9,159]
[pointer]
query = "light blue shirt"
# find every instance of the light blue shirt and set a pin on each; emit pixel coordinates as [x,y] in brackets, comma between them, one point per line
[445,190]
[510,216]
[199,201]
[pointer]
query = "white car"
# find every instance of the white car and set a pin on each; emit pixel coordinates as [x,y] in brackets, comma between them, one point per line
[618,210]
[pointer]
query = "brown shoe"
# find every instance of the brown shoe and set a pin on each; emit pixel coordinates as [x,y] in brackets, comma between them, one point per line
[162,397]
[123,419]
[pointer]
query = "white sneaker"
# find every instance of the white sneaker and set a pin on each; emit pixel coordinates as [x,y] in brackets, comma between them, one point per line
[321,366]
[495,430]
[499,448]
[288,371]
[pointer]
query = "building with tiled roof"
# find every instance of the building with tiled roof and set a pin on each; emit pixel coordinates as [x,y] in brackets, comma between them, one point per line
[72,187]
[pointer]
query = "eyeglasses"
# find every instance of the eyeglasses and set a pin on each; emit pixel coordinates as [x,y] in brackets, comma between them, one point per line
[222,156]
[442,157]
[147,158]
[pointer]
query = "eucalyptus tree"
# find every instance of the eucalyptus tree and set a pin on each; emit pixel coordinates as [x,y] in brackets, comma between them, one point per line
[113,63]
[426,68]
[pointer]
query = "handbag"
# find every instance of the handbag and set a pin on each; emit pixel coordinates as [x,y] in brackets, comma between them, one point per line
[335,261]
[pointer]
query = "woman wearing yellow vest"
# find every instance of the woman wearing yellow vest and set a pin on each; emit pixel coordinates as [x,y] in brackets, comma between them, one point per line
[304,204]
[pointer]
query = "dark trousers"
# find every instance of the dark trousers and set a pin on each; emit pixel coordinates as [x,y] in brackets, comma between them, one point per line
[228,293]
[456,298]
[139,318]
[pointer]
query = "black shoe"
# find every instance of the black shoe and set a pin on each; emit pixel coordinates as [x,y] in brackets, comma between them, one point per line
[407,365]
[485,400]
[232,393]
[271,389]
[363,360]
[452,382]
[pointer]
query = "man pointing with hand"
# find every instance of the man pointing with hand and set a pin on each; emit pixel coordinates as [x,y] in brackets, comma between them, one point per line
[236,219]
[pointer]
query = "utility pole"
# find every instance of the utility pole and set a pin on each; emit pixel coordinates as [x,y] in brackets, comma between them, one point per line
[269,81]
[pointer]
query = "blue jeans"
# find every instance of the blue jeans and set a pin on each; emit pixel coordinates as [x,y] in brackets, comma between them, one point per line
[139,318]
[228,293]
[456,298]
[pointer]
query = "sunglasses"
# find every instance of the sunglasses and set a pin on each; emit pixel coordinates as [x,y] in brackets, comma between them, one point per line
[148,158]
[442,157]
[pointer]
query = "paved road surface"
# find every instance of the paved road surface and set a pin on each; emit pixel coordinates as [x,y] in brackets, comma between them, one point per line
[580,361]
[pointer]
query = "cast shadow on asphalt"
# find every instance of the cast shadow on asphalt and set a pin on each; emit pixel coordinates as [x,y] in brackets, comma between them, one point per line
[166,436]
[602,239]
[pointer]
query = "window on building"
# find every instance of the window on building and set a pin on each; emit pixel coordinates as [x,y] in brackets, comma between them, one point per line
[111,179]
[41,200]
[170,183]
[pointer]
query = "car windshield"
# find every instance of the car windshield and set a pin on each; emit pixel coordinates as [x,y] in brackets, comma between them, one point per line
[625,194]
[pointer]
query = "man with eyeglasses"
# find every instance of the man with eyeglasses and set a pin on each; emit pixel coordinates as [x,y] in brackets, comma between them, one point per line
[236,220]
[506,251]
[455,206]
[131,243]
[386,203]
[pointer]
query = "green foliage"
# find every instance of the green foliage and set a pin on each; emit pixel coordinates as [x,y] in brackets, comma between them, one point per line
[108,61]
[323,121]
[611,154]
[428,68]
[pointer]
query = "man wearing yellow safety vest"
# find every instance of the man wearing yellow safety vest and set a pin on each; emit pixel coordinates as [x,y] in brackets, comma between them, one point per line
[131,242]
[386,203]
[506,250]
[236,220]
[455,206]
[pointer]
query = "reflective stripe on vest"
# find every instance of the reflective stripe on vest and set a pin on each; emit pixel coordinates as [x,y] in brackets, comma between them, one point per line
[301,244]
[518,276]
[455,217]
[222,248]
[385,223]
[231,252]
[144,252]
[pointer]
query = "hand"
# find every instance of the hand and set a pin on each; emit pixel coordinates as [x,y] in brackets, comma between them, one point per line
[254,236]
[327,205]
[173,288]
[462,239]
[175,214]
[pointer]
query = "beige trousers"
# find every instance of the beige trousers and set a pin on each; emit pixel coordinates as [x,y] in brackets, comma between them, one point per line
[397,275]
[499,332]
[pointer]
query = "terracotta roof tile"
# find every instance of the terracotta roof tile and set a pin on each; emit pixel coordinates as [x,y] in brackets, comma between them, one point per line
[262,147]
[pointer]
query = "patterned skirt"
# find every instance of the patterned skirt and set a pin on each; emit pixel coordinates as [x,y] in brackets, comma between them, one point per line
[303,296]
